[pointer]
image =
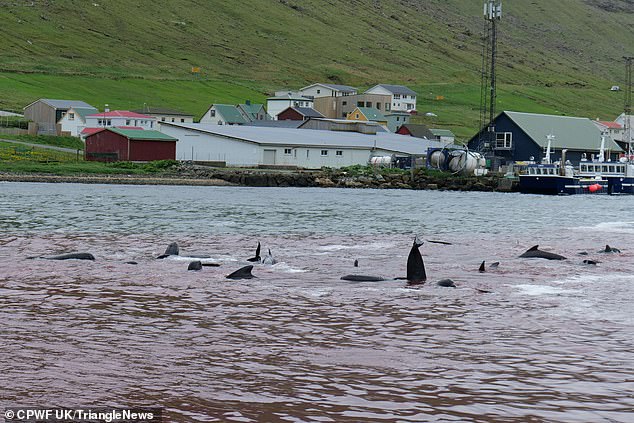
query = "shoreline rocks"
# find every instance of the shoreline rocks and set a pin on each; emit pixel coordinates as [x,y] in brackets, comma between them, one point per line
[186,174]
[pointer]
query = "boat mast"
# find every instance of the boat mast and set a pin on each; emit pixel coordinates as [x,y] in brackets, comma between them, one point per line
[550,138]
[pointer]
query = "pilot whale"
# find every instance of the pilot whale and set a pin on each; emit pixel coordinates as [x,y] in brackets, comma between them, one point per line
[535,252]
[257,257]
[362,278]
[171,250]
[69,256]
[415,266]
[242,273]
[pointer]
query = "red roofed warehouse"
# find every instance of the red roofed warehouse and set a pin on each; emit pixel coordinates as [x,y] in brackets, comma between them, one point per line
[114,144]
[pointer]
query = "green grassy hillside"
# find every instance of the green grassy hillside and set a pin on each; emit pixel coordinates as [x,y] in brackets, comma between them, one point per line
[555,57]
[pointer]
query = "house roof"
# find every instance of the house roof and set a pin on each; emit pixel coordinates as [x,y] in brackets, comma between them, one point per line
[230,113]
[610,125]
[251,109]
[396,89]
[307,112]
[317,138]
[570,132]
[120,113]
[84,111]
[162,111]
[276,123]
[140,134]
[289,97]
[62,104]
[90,131]
[419,130]
[441,132]
[372,114]
[335,87]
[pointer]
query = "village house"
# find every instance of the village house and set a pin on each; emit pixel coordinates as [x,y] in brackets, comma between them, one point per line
[327,90]
[613,129]
[367,114]
[279,103]
[46,113]
[115,144]
[523,137]
[74,120]
[402,99]
[443,135]
[340,107]
[298,113]
[621,121]
[163,114]
[416,130]
[119,118]
[396,119]
[248,146]
[253,112]
[223,114]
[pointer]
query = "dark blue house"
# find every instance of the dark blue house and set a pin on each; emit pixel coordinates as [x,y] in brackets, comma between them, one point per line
[522,137]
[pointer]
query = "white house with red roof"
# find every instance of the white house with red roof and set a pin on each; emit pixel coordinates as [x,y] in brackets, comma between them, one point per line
[613,129]
[120,118]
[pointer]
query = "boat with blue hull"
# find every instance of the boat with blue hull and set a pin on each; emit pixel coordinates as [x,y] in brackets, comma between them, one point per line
[592,177]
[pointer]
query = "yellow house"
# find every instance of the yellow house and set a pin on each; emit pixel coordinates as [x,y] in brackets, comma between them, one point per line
[367,114]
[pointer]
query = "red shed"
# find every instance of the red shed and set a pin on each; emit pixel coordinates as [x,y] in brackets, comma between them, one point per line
[116,144]
[298,113]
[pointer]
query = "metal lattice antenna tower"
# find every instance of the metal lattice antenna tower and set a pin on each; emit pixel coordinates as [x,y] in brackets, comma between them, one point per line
[627,124]
[488,88]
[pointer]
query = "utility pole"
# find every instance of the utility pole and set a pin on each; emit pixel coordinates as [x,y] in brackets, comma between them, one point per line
[488,87]
[627,109]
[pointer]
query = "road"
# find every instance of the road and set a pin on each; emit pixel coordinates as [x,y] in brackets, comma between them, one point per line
[50,147]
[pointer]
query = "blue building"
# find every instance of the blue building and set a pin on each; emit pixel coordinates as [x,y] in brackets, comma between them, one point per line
[522,137]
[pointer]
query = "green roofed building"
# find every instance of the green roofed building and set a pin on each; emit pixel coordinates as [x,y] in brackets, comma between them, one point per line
[223,114]
[522,137]
[138,145]
[367,114]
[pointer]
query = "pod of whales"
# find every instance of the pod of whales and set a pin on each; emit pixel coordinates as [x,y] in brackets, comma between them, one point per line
[535,252]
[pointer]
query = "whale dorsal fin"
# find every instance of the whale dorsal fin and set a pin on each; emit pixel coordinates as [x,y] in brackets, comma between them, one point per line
[534,248]
[607,248]
[482,269]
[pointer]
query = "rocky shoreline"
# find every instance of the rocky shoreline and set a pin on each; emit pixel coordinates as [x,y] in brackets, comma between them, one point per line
[327,178]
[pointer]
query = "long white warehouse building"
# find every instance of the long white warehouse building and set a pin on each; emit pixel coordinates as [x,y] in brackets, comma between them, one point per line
[249,146]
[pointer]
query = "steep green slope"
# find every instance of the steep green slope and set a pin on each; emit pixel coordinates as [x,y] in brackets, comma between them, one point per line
[558,57]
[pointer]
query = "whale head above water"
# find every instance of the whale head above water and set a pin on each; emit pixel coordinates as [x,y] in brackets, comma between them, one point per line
[535,252]
[609,249]
[269,259]
[415,266]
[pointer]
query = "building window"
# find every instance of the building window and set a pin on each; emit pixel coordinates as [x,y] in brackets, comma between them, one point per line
[127,122]
[307,153]
[324,152]
[182,120]
[339,153]
[344,103]
[163,119]
[288,151]
[151,124]
[397,96]
[387,107]
[378,106]
[503,140]
[212,113]
[368,104]
[318,91]
[359,103]
[356,116]
[71,116]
